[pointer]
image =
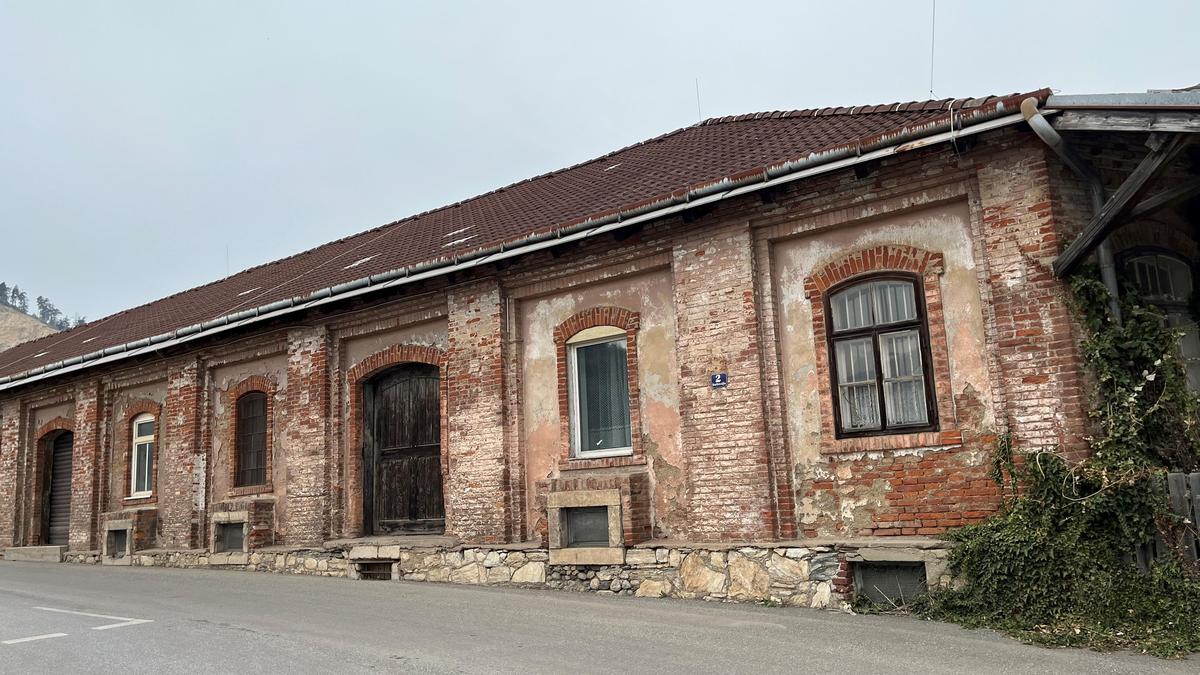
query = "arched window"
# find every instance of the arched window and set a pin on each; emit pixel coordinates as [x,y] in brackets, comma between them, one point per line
[251,439]
[598,387]
[879,356]
[1166,281]
[141,468]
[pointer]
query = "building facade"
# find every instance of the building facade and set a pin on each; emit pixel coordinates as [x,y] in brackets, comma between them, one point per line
[759,391]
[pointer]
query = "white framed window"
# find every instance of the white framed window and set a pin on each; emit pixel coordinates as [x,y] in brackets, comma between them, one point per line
[598,391]
[141,466]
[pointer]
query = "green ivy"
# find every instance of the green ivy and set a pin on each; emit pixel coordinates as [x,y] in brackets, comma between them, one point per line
[1055,566]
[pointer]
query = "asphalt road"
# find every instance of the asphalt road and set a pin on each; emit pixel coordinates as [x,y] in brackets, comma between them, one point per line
[141,620]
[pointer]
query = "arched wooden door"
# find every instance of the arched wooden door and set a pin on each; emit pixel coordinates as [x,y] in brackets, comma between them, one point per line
[402,480]
[56,510]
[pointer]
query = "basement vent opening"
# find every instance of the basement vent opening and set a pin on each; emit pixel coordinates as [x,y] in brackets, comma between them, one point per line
[890,584]
[585,527]
[117,544]
[230,538]
[374,570]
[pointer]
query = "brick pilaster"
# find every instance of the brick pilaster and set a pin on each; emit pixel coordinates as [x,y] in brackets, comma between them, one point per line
[10,467]
[717,318]
[180,461]
[85,469]
[305,437]
[476,488]
[1034,333]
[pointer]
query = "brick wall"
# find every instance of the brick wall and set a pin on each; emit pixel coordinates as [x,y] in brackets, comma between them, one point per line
[1036,337]
[85,475]
[179,454]
[10,469]
[739,476]
[477,505]
[305,439]
[723,429]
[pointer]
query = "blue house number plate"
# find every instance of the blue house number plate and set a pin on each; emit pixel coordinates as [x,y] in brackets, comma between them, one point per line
[720,380]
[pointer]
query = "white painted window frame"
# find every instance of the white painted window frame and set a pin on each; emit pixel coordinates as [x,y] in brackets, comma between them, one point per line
[577,450]
[134,493]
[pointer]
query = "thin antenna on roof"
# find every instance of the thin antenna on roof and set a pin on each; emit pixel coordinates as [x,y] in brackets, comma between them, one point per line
[699,117]
[932,38]
[226,259]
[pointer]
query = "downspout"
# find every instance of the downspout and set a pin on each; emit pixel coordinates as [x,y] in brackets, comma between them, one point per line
[1095,187]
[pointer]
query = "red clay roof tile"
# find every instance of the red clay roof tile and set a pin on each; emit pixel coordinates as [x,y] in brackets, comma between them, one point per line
[645,173]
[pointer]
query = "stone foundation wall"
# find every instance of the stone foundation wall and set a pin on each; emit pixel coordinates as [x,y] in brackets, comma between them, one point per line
[816,576]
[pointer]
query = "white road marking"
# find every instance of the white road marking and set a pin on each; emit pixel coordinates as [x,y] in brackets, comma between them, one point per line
[124,620]
[35,637]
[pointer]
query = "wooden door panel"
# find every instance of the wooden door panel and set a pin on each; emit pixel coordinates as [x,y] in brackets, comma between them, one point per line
[403,435]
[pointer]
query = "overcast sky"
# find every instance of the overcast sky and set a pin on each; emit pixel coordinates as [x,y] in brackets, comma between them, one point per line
[139,141]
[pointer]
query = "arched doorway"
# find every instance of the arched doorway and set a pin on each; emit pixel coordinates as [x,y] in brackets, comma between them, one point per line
[56,499]
[402,477]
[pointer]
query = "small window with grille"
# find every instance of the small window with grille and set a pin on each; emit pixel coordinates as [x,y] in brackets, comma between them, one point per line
[251,440]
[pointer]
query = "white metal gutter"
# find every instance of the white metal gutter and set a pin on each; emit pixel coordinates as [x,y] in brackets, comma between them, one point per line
[814,164]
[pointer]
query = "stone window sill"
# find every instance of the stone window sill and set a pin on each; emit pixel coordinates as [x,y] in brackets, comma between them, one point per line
[924,439]
[138,501]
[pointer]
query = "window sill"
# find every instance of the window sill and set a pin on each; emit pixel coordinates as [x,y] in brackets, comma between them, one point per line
[251,490]
[922,439]
[601,462]
[134,500]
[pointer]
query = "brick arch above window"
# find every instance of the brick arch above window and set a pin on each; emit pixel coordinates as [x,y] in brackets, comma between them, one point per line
[124,454]
[864,263]
[252,383]
[57,424]
[593,317]
[617,317]
[883,258]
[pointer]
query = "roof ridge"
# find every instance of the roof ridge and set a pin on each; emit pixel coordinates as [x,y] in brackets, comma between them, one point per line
[829,111]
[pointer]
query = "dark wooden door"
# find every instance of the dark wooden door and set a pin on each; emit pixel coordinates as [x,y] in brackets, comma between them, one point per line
[57,511]
[402,483]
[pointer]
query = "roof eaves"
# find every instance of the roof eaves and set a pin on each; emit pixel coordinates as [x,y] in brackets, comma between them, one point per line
[903,138]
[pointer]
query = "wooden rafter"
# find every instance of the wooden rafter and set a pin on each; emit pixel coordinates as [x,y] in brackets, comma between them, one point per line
[1163,149]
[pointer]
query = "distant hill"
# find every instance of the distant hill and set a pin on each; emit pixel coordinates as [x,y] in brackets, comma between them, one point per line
[17,327]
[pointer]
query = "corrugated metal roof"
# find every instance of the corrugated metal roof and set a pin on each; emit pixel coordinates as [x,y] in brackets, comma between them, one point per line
[716,150]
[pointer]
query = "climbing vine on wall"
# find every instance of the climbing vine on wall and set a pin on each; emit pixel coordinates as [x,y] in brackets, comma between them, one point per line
[1056,565]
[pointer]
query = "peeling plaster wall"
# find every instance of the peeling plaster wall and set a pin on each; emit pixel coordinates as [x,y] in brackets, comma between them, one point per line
[944,229]
[224,378]
[44,415]
[118,468]
[429,333]
[650,295]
